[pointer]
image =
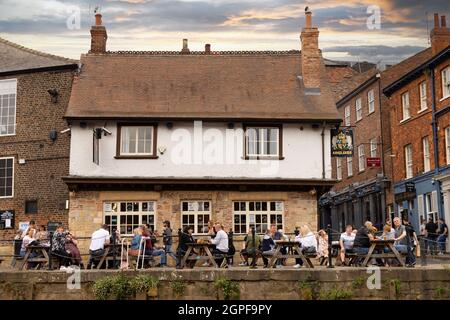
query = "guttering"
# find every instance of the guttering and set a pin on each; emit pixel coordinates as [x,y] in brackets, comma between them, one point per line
[360,88]
[390,89]
[43,69]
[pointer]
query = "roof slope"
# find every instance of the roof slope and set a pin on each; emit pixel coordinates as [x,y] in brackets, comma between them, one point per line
[256,85]
[397,71]
[353,83]
[14,57]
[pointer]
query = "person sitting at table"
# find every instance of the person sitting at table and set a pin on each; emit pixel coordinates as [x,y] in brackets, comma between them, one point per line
[388,233]
[31,226]
[27,239]
[135,242]
[149,237]
[185,238]
[250,249]
[346,242]
[403,242]
[59,247]
[42,236]
[99,238]
[73,251]
[308,243]
[267,247]
[221,242]
[231,248]
[363,237]
[322,240]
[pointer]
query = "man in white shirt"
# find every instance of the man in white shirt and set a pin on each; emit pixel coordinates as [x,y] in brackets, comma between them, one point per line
[221,242]
[99,238]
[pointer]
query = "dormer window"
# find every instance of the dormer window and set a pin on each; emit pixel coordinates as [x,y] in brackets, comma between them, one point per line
[136,141]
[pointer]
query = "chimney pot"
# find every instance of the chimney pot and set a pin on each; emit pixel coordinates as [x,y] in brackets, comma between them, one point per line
[443,22]
[436,20]
[207,48]
[308,16]
[185,49]
[98,19]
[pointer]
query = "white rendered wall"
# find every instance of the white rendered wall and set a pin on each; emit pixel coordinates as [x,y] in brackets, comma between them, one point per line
[205,153]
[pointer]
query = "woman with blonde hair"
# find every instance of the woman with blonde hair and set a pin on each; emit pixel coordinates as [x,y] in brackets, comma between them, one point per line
[135,242]
[308,243]
[322,239]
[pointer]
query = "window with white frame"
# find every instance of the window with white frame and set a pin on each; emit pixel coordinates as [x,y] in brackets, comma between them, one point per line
[361,158]
[447,144]
[350,166]
[446,82]
[371,100]
[8,92]
[136,140]
[6,177]
[260,214]
[358,109]
[339,168]
[125,216]
[262,141]
[405,106]
[423,95]
[196,214]
[426,154]
[347,116]
[431,204]
[373,147]
[408,161]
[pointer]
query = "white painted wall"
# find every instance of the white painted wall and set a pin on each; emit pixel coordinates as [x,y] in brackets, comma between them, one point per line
[302,151]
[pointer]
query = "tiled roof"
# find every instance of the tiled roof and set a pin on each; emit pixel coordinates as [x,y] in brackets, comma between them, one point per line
[352,83]
[232,85]
[397,71]
[14,57]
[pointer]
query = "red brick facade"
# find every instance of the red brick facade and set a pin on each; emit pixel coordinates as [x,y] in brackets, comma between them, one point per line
[46,161]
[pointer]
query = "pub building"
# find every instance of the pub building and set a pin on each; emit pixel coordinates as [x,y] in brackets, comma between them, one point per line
[147,127]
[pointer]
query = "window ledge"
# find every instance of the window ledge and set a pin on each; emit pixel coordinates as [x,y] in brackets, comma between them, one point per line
[405,120]
[135,157]
[422,110]
[263,158]
[444,98]
[8,197]
[371,112]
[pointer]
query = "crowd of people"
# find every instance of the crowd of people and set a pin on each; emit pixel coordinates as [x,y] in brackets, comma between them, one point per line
[145,242]
[62,243]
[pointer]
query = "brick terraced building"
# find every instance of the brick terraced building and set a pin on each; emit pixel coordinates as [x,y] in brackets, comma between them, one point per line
[34,156]
[237,137]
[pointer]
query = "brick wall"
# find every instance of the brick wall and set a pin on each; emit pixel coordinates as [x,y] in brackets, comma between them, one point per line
[46,161]
[418,126]
[86,207]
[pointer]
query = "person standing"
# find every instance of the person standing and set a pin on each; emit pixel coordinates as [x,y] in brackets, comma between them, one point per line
[431,236]
[442,235]
[168,240]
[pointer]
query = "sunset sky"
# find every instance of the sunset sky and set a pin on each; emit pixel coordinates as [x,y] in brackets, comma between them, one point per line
[226,24]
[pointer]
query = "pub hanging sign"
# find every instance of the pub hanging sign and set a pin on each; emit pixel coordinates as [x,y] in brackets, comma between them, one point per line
[6,219]
[342,142]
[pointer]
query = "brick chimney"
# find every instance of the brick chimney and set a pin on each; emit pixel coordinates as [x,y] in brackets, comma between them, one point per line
[310,53]
[207,48]
[440,34]
[98,36]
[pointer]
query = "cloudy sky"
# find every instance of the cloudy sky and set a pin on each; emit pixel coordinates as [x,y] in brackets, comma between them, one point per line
[348,29]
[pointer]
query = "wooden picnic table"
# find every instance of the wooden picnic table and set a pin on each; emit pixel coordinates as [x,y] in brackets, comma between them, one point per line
[203,253]
[293,251]
[380,245]
[109,249]
[42,259]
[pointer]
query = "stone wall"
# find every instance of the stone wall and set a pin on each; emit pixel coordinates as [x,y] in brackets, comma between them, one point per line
[430,283]
[86,207]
